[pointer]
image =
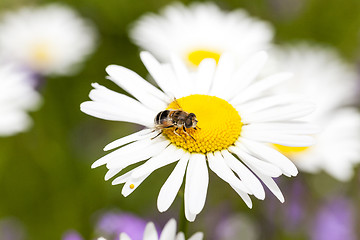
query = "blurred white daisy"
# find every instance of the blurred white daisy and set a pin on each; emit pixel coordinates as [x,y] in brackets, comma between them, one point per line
[49,40]
[17,96]
[234,122]
[168,233]
[201,31]
[324,78]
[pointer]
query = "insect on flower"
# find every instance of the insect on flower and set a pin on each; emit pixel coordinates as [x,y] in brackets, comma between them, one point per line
[177,119]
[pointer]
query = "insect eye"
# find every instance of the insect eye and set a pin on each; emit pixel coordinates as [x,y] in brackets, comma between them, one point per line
[191,115]
[188,123]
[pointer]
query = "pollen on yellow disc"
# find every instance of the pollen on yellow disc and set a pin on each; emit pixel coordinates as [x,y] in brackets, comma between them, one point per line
[41,53]
[195,57]
[132,186]
[290,151]
[218,121]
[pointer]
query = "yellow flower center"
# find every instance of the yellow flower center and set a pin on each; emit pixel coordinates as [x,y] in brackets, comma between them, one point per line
[195,57]
[41,53]
[219,124]
[290,151]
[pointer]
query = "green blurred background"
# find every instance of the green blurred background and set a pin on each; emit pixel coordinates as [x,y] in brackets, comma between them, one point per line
[45,178]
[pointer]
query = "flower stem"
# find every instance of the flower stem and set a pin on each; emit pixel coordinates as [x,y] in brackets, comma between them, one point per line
[183,223]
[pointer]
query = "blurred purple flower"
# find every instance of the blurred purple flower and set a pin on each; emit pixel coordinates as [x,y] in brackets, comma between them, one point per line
[72,235]
[334,221]
[112,224]
[294,208]
[236,225]
[11,229]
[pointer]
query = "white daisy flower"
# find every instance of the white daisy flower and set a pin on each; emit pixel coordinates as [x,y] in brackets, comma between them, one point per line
[50,40]
[17,96]
[234,122]
[168,233]
[201,31]
[324,78]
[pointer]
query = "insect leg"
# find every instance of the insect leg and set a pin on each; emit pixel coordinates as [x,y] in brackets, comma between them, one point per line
[157,135]
[178,133]
[160,131]
[188,133]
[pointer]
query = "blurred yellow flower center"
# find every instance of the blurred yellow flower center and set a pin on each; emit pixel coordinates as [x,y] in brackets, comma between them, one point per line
[290,151]
[41,53]
[197,56]
[219,124]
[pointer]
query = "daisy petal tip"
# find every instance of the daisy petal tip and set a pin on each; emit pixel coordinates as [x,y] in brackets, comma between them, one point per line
[294,172]
[95,85]
[125,193]
[160,206]
[260,194]
[96,164]
[83,106]
[260,197]
[111,68]
[108,147]
[145,54]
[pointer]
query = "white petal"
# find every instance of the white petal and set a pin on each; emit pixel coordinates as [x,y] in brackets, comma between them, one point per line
[197,236]
[286,127]
[271,155]
[111,172]
[279,138]
[179,89]
[204,75]
[182,74]
[270,183]
[167,156]
[150,232]
[218,166]
[189,216]
[114,156]
[127,190]
[244,197]
[124,236]
[169,230]
[172,185]
[123,178]
[157,71]
[248,178]
[180,236]
[199,180]
[288,112]
[225,67]
[226,174]
[146,93]
[264,167]
[109,112]
[120,101]
[257,88]
[246,74]
[145,133]
[268,102]
[135,152]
